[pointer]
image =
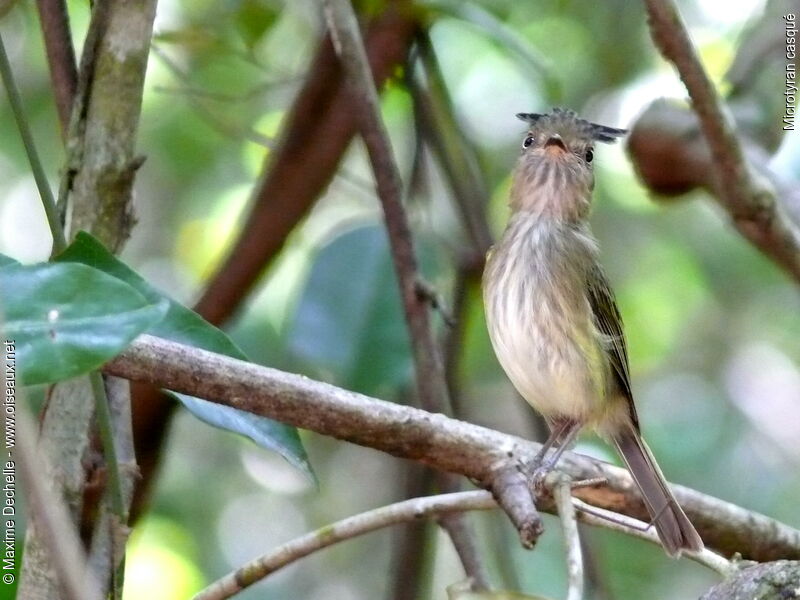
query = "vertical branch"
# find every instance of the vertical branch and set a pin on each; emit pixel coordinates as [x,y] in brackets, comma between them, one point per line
[46,194]
[431,383]
[96,190]
[452,150]
[562,493]
[102,160]
[51,517]
[54,20]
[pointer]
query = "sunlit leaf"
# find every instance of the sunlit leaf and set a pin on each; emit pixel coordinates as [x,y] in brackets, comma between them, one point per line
[68,319]
[187,327]
[506,37]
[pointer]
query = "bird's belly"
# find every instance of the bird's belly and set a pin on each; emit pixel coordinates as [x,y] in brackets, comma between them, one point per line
[556,364]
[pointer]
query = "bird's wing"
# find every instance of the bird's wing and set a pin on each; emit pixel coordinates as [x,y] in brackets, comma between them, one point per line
[609,322]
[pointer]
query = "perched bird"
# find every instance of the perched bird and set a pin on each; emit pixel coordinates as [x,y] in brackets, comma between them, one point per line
[552,317]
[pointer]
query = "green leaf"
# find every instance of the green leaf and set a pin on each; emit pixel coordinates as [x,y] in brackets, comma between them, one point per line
[253,19]
[349,321]
[259,429]
[67,319]
[187,327]
[6,261]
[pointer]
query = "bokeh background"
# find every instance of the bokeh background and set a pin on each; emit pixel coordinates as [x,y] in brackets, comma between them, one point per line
[713,327]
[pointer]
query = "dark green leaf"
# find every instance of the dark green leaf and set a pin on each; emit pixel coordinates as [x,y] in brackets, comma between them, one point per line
[68,319]
[6,261]
[349,321]
[255,427]
[187,327]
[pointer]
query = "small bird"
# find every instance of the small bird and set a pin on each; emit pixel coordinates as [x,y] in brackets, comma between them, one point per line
[552,317]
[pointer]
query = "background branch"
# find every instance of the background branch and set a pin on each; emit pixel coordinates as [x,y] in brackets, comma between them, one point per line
[295,174]
[432,388]
[433,439]
[54,20]
[748,199]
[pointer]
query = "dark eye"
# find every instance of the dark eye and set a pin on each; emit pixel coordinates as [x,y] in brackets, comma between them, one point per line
[527,142]
[589,155]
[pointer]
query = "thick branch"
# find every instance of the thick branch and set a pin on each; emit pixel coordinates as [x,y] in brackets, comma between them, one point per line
[102,162]
[750,202]
[51,517]
[432,439]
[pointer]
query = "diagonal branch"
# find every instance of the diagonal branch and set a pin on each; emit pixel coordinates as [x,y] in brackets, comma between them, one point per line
[385,516]
[432,386]
[318,130]
[749,201]
[433,439]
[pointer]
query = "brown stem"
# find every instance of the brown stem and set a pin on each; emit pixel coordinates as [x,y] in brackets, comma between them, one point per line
[60,57]
[430,378]
[750,202]
[319,127]
[481,454]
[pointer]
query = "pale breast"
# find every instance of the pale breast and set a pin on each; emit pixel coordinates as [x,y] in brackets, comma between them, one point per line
[539,318]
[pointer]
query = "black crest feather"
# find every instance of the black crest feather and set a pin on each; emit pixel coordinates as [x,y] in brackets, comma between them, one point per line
[562,118]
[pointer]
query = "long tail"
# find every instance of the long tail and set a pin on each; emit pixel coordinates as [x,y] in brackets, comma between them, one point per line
[673,527]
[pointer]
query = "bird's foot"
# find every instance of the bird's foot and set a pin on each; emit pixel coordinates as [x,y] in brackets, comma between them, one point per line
[536,474]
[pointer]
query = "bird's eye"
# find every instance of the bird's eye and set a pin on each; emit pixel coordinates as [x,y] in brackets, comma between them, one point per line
[589,155]
[527,142]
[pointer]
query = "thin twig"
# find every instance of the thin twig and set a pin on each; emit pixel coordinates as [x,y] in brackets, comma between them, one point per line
[45,193]
[54,20]
[748,199]
[443,504]
[430,378]
[639,529]
[562,493]
[476,452]
[452,149]
[400,512]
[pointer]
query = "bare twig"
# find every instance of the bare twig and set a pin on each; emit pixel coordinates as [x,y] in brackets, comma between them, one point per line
[300,169]
[430,378]
[60,56]
[96,187]
[107,556]
[443,504]
[401,512]
[413,546]
[748,199]
[433,439]
[639,529]
[452,150]
[562,493]
[46,194]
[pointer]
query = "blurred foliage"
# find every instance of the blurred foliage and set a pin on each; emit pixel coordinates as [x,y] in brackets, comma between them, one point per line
[712,325]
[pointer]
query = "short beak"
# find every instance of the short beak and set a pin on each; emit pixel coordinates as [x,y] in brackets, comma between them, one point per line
[555,143]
